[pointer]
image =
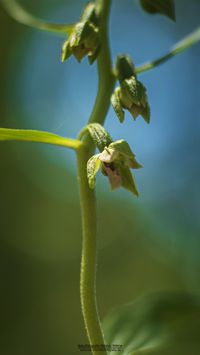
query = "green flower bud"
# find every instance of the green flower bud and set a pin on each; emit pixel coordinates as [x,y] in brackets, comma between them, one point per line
[131,94]
[89,13]
[84,40]
[124,67]
[115,162]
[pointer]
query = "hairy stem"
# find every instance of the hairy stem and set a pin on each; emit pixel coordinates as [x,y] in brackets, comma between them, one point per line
[105,74]
[89,258]
[87,196]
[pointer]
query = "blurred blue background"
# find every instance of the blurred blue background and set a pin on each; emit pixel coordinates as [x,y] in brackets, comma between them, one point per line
[146,244]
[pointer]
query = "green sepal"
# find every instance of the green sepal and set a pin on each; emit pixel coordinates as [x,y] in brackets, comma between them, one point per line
[146,114]
[93,56]
[125,153]
[124,67]
[93,166]
[89,13]
[81,31]
[164,7]
[133,97]
[127,179]
[136,91]
[66,51]
[92,38]
[116,103]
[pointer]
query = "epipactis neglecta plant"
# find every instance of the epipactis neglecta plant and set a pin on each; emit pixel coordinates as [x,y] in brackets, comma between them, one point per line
[115,159]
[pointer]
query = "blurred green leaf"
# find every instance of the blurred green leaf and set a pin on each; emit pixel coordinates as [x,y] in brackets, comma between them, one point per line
[165,323]
[7,134]
[164,7]
[19,14]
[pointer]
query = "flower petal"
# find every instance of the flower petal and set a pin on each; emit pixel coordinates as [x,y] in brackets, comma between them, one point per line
[108,155]
[127,179]
[125,153]
[113,176]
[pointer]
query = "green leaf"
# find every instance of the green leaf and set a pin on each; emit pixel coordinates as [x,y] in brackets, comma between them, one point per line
[99,135]
[39,137]
[93,166]
[18,13]
[116,103]
[164,7]
[157,324]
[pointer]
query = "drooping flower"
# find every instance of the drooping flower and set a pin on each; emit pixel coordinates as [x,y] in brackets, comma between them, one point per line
[131,94]
[84,39]
[115,162]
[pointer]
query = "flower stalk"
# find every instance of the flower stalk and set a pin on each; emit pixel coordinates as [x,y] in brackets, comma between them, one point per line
[89,37]
[87,196]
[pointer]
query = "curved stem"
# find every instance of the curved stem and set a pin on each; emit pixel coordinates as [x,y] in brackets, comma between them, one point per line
[18,13]
[105,74]
[89,256]
[184,44]
[87,196]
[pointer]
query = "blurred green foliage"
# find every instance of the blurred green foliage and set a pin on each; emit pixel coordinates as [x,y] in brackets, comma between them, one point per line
[40,241]
[162,323]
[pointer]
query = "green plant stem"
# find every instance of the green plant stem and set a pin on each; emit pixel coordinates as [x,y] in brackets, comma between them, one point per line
[87,196]
[181,46]
[89,255]
[105,73]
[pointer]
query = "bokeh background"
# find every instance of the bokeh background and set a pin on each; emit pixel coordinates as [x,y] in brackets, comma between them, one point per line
[146,244]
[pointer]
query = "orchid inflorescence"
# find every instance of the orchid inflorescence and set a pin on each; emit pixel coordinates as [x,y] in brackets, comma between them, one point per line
[115,159]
